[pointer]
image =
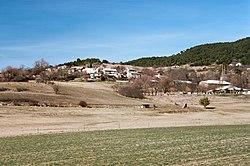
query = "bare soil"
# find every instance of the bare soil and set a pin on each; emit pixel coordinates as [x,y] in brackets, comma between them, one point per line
[112,111]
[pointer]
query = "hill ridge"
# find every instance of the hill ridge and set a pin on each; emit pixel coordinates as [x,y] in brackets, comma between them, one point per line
[204,54]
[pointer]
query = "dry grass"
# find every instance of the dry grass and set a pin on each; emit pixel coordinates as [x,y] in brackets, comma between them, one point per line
[99,94]
[71,93]
[33,120]
[109,109]
[217,103]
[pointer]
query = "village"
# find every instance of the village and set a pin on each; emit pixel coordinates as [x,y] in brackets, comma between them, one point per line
[186,79]
[124,82]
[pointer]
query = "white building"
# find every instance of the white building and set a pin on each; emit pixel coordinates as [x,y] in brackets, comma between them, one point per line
[238,64]
[89,70]
[233,89]
[62,67]
[111,72]
[76,69]
[214,82]
[131,73]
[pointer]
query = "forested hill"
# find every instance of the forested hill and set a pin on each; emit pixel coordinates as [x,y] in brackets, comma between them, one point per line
[206,54]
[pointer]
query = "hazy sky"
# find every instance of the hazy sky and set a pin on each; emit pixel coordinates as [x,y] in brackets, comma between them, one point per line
[116,30]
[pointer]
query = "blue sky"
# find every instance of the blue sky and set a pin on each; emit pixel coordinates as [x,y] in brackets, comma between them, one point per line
[116,30]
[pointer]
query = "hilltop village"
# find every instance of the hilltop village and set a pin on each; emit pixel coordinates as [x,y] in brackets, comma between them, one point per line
[185,79]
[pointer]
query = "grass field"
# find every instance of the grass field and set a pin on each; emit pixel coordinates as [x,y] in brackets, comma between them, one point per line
[70,93]
[207,145]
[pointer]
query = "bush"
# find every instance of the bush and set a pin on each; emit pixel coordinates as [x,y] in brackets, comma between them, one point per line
[20,89]
[20,102]
[3,89]
[20,78]
[131,91]
[205,102]
[56,88]
[83,103]
[70,77]
[103,78]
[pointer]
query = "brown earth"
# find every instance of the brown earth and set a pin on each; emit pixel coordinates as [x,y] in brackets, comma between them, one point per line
[112,111]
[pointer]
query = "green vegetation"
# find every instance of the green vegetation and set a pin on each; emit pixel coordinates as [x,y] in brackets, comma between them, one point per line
[213,145]
[207,54]
[205,102]
[79,62]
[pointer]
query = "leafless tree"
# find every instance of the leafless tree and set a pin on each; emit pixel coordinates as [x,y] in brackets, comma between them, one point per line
[212,75]
[148,72]
[178,74]
[144,83]
[15,74]
[165,84]
[239,80]
[39,66]
[120,69]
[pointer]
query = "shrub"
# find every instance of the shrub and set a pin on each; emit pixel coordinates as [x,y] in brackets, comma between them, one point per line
[131,91]
[70,77]
[20,89]
[83,103]
[205,102]
[56,88]
[20,78]
[3,89]
[103,78]
[20,101]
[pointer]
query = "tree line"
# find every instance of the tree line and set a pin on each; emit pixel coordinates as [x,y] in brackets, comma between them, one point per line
[22,74]
[80,62]
[206,54]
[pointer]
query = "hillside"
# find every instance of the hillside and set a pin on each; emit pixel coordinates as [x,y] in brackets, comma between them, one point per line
[70,93]
[206,54]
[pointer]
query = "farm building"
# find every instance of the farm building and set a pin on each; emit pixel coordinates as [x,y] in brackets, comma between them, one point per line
[214,83]
[111,72]
[131,73]
[232,89]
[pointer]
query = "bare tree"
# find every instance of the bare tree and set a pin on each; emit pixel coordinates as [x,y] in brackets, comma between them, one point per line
[179,74]
[239,80]
[148,72]
[165,84]
[120,69]
[212,75]
[144,83]
[15,74]
[39,66]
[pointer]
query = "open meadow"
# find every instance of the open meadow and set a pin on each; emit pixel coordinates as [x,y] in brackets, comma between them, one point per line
[109,110]
[115,130]
[202,145]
